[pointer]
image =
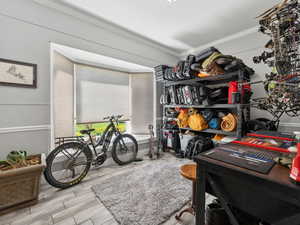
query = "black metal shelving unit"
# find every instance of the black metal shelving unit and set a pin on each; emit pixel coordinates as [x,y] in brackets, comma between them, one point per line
[241,110]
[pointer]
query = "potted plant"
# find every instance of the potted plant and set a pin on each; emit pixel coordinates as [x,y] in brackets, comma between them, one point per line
[20,180]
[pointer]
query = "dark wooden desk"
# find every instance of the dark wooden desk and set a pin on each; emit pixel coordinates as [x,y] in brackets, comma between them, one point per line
[272,197]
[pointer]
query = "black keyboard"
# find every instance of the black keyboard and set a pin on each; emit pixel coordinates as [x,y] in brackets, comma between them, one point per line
[259,161]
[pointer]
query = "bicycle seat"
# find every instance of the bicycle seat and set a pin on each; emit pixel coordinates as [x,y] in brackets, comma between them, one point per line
[87,131]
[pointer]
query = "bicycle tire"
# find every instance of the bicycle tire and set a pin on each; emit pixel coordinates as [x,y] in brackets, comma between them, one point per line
[49,160]
[114,153]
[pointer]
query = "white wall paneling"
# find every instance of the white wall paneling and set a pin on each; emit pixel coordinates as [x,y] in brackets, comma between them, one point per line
[7,130]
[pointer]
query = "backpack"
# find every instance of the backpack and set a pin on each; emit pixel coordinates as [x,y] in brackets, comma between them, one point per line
[197,145]
[196,121]
[182,119]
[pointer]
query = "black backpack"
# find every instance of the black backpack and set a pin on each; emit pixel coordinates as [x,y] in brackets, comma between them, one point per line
[197,145]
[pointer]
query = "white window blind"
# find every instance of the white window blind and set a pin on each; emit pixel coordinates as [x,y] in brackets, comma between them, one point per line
[97,100]
[101,93]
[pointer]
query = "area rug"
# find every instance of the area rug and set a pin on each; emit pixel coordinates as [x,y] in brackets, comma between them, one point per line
[146,195]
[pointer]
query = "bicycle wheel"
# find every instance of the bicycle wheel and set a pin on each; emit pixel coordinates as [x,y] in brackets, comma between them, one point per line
[68,164]
[124,149]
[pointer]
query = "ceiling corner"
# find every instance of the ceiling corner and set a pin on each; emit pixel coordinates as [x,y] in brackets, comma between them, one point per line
[220,41]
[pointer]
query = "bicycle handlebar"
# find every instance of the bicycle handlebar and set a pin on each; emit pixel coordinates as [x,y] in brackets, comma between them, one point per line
[113,117]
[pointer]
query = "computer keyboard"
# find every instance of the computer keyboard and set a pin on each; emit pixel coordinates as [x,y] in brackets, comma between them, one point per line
[259,161]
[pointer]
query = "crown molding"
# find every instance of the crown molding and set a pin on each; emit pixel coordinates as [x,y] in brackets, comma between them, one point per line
[99,22]
[7,130]
[221,41]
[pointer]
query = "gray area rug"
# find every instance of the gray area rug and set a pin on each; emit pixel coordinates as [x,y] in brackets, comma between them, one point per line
[146,195]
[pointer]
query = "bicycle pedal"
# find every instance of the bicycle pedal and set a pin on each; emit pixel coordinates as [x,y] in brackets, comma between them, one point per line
[99,160]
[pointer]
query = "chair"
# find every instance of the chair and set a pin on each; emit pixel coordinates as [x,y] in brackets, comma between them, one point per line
[188,171]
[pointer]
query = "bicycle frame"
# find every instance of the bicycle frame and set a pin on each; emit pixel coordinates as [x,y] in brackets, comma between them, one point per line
[106,137]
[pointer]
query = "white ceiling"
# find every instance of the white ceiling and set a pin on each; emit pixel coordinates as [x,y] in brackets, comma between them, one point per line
[89,58]
[181,25]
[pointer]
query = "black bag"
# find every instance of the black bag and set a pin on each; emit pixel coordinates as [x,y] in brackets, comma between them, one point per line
[172,94]
[180,96]
[188,73]
[174,75]
[188,95]
[179,71]
[203,94]
[160,72]
[191,95]
[205,54]
[168,74]
[196,96]
[197,145]
[218,96]
[171,113]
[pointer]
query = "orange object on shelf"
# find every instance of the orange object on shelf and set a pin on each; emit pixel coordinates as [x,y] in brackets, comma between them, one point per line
[203,75]
[218,137]
[183,118]
[229,123]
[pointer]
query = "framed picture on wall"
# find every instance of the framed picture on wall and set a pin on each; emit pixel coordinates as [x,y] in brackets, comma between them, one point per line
[18,74]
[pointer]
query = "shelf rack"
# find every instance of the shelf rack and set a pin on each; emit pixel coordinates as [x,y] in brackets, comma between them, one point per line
[213,131]
[241,110]
[216,106]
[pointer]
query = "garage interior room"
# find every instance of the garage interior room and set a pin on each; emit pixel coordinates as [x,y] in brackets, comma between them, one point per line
[162,112]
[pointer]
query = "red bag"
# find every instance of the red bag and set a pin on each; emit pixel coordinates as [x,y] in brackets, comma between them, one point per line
[233,88]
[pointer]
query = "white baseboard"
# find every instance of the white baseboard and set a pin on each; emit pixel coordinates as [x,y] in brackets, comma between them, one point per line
[7,130]
[289,125]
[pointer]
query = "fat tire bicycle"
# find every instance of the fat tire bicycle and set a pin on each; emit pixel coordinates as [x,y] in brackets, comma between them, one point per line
[71,160]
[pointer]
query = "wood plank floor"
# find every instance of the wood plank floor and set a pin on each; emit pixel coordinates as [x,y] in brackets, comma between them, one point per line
[77,205]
